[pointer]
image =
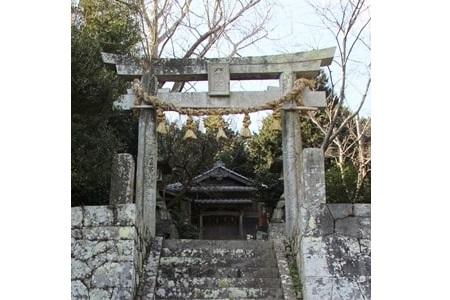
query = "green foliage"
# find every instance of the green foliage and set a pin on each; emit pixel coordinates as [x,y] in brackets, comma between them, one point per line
[97,131]
[111,25]
[265,148]
[188,158]
[265,154]
[341,189]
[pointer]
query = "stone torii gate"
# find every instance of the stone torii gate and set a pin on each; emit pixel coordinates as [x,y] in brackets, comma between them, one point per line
[218,72]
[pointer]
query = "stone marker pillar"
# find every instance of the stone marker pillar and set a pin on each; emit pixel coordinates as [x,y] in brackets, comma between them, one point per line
[146,174]
[122,179]
[314,218]
[313,177]
[292,151]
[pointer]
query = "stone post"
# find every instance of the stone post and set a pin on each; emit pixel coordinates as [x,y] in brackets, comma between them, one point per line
[314,218]
[313,177]
[122,179]
[146,174]
[292,151]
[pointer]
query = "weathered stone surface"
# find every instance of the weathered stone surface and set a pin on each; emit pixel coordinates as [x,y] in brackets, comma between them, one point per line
[125,248]
[346,289]
[316,220]
[109,233]
[305,64]
[365,246]
[188,283]
[219,293]
[218,79]
[126,214]
[76,233]
[147,286]
[314,257]
[80,269]
[235,99]
[99,294]
[122,179]
[354,226]
[103,253]
[334,240]
[317,288]
[292,160]
[364,283]
[287,284]
[340,210]
[98,216]
[328,288]
[313,177]
[79,290]
[345,258]
[77,217]
[122,294]
[218,269]
[221,262]
[277,231]
[113,275]
[146,174]
[361,210]
[334,267]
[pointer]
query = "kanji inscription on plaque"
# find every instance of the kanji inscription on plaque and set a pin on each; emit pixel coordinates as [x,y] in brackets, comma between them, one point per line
[218,79]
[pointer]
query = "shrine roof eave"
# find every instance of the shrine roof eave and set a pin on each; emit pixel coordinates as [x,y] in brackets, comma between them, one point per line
[231,174]
[222,188]
[223,201]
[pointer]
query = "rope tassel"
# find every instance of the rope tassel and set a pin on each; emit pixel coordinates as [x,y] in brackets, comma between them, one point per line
[190,134]
[245,132]
[220,131]
[161,118]
[276,120]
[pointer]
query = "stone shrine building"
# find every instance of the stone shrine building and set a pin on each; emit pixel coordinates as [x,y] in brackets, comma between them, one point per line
[223,204]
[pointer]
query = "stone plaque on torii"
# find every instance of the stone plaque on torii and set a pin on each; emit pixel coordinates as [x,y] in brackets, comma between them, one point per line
[219,71]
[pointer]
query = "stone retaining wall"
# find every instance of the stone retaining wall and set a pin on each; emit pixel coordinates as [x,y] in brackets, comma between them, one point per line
[335,257]
[333,243]
[103,252]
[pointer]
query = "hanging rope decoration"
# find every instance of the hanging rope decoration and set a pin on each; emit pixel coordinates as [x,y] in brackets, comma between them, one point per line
[295,96]
[220,131]
[245,132]
[161,119]
[276,120]
[190,127]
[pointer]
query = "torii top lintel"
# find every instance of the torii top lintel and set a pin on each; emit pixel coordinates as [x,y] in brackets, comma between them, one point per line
[305,64]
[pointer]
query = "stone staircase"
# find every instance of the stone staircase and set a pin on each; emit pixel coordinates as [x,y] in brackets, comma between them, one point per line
[218,269]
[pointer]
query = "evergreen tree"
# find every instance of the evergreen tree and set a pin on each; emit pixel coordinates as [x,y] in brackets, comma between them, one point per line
[98,132]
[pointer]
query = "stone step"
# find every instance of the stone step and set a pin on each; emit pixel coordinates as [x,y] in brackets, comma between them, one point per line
[218,244]
[188,283]
[266,261]
[211,271]
[215,252]
[227,293]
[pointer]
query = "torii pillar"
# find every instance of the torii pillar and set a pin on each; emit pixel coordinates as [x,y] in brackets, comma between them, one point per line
[292,157]
[146,166]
